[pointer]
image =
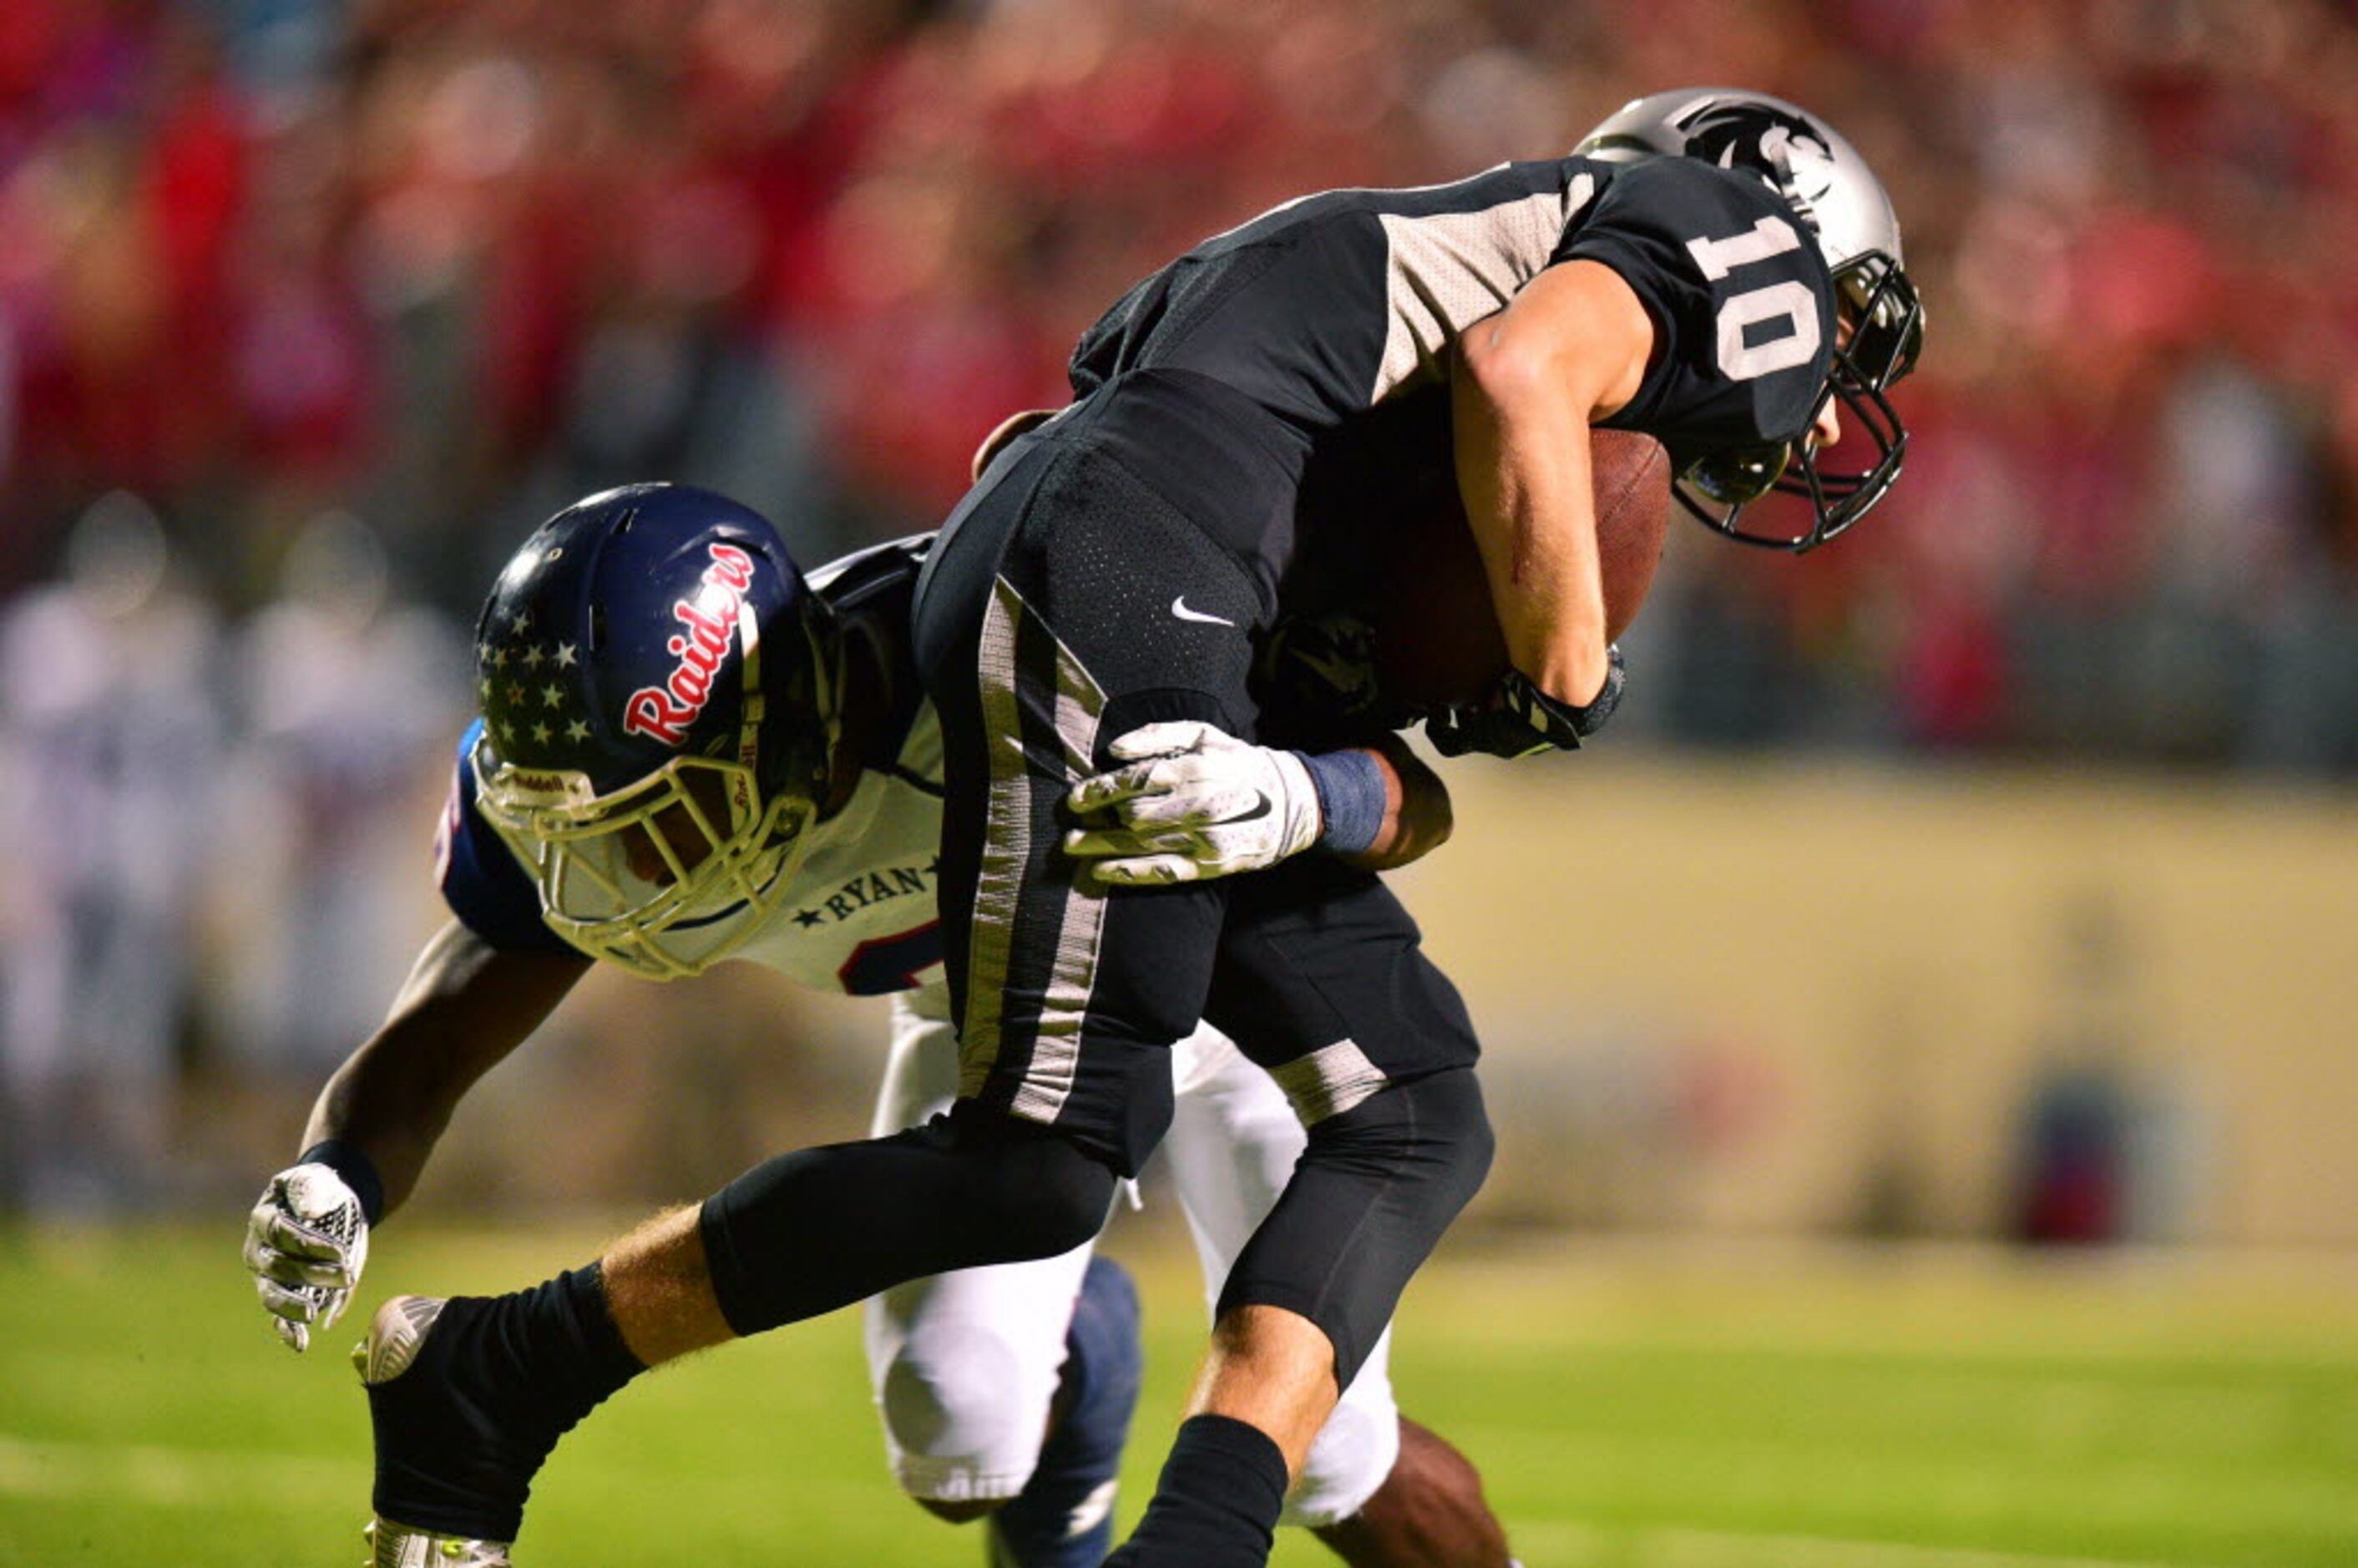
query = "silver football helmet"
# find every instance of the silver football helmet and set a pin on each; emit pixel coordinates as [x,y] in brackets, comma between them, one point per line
[1829,186]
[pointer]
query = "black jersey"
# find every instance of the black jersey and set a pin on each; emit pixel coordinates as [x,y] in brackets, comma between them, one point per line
[876,584]
[870,593]
[1322,308]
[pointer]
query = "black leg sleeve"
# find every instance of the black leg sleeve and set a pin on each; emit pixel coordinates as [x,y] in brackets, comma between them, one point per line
[1367,1202]
[811,1231]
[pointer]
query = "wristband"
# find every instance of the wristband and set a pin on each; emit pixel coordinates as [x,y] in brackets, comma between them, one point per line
[1564,724]
[358,1171]
[1350,787]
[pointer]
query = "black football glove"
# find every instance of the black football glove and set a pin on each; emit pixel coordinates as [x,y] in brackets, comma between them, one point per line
[1315,679]
[1522,720]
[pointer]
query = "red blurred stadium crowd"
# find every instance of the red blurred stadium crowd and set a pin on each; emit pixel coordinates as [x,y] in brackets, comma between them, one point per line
[443,264]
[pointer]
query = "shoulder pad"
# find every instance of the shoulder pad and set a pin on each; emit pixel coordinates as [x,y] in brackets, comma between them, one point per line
[850,582]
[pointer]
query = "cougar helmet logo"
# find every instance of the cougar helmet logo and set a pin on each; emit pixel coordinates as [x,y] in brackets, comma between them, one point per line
[1785,147]
[666,712]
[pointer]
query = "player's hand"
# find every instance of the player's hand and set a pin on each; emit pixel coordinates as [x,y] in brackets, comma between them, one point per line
[1193,802]
[306,1242]
[1315,677]
[1519,720]
[1456,728]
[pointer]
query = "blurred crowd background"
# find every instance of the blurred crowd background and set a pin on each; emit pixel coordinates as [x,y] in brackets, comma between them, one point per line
[309,309]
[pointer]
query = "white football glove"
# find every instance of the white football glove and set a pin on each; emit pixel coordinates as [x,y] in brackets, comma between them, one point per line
[1194,802]
[306,1242]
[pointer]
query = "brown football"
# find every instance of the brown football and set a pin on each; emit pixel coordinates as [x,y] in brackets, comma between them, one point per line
[1436,637]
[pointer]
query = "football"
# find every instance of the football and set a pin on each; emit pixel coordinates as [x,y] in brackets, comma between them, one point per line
[1436,637]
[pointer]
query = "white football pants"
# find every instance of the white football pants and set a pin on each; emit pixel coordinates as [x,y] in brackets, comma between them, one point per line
[963,1365]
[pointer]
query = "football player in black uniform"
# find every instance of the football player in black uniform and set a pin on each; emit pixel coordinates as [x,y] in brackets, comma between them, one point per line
[1718,269]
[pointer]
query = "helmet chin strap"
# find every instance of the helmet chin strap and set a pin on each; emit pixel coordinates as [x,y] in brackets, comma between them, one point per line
[755,706]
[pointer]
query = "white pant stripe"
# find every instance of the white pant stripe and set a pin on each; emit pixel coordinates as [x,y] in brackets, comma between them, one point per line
[1007,844]
[1080,707]
[1329,1081]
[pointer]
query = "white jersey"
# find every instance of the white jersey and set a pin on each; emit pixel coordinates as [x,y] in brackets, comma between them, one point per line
[859,916]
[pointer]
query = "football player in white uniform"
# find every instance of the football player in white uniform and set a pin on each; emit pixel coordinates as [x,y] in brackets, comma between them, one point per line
[594,818]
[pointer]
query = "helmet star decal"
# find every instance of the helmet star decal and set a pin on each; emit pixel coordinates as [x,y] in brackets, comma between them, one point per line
[534,713]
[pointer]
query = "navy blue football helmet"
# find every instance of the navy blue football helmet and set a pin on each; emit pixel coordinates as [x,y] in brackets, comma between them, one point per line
[660,693]
[1829,186]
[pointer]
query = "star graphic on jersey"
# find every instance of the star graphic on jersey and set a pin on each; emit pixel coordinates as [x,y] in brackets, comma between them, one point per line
[577,731]
[565,655]
[807,917]
[551,695]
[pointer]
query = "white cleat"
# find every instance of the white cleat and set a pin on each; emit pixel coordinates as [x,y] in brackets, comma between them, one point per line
[399,1327]
[393,1545]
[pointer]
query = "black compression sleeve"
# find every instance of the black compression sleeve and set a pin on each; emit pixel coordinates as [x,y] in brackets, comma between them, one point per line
[820,1229]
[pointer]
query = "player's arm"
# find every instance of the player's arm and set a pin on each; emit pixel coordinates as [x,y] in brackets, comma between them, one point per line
[464,1008]
[1417,818]
[1191,802]
[1570,349]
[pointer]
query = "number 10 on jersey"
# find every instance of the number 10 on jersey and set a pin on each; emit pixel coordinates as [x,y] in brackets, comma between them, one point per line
[1791,300]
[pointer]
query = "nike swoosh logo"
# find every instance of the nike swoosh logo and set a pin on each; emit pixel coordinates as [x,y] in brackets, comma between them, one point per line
[1179,608]
[1262,807]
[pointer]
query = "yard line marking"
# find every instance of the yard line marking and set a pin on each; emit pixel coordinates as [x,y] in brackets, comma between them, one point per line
[150,1473]
[1573,1544]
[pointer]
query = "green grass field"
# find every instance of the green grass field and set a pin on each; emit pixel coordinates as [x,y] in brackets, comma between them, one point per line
[1631,1407]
